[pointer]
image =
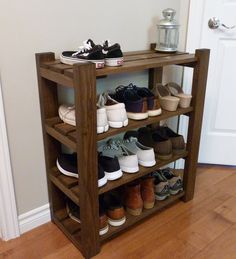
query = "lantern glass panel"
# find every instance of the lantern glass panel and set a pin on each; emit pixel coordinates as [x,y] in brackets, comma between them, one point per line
[168,38]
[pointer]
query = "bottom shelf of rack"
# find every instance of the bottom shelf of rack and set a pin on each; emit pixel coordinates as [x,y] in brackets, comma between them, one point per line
[72,229]
[132,220]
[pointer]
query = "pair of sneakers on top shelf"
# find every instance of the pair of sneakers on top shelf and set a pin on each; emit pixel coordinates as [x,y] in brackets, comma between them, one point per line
[109,113]
[101,55]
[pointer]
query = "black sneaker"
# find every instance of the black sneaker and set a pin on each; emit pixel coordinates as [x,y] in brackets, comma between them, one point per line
[113,54]
[88,52]
[111,167]
[67,165]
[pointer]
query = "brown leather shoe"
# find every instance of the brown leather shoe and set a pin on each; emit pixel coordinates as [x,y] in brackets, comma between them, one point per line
[161,145]
[133,200]
[103,223]
[115,210]
[178,144]
[147,192]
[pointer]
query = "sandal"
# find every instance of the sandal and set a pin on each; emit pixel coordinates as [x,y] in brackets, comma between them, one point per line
[176,90]
[168,102]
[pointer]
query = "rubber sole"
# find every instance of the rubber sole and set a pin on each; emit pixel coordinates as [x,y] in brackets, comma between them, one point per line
[118,124]
[116,223]
[147,163]
[148,205]
[129,170]
[102,129]
[71,61]
[161,198]
[164,157]
[114,62]
[137,116]
[175,192]
[135,212]
[178,151]
[102,181]
[114,175]
[153,113]
[103,231]
[65,120]
[67,173]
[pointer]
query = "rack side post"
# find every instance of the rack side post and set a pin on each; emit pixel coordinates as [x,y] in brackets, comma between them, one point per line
[86,121]
[49,107]
[195,121]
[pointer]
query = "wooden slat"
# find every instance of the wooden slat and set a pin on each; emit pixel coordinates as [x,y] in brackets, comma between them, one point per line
[64,128]
[56,77]
[132,220]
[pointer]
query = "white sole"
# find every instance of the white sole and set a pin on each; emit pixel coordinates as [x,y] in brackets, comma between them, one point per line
[161,198]
[70,122]
[114,175]
[154,112]
[129,170]
[118,124]
[137,116]
[147,163]
[67,173]
[102,129]
[175,192]
[114,62]
[116,223]
[71,61]
[103,231]
[102,181]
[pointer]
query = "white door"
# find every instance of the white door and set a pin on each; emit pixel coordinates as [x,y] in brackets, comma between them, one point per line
[218,142]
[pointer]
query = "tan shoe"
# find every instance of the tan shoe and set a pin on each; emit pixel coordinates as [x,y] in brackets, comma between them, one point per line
[133,200]
[176,90]
[147,192]
[168,102]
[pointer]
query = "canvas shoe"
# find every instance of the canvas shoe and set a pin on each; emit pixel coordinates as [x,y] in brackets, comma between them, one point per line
[67,115]
[146,156]
[113,54]
[73,212]
[135,105]
[175,181]
[114,209]
[115,111]
[111,167]
[67,165]
[128,161]
[88,52]
[161,186]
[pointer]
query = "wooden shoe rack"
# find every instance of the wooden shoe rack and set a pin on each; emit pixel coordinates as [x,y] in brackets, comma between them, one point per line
[83,138]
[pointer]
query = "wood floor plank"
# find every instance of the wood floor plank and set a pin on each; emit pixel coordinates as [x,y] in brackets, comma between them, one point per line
[197,229]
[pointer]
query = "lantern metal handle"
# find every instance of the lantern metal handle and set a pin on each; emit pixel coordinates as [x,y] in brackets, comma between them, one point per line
[214,23]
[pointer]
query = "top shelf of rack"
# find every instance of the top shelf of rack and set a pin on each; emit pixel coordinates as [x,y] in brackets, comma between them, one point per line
[133,61]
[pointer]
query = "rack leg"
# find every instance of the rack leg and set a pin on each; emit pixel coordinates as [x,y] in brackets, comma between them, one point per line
[195,121]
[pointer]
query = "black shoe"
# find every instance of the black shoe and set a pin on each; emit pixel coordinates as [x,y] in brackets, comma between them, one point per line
[88,52]
[111,167]
[113,54]
[67,165]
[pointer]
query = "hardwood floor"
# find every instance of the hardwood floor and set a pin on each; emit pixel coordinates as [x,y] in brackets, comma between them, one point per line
[203,228]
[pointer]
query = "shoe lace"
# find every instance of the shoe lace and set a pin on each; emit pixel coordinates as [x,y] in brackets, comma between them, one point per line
[130,140]
[111,144]
[83,49]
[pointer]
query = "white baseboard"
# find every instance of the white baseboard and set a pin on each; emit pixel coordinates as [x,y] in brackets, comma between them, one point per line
[34,218]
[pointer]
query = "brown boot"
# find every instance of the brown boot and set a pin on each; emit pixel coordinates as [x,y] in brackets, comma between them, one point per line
[147,192]
[133,200]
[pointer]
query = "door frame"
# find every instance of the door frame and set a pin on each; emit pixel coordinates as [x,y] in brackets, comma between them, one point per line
[9,227]
[193,42]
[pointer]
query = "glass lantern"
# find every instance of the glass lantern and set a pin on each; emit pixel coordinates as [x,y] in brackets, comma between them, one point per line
[168,32]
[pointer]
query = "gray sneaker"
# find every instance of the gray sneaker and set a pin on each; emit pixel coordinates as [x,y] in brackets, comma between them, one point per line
[175,181]
[128,161]
[162,190]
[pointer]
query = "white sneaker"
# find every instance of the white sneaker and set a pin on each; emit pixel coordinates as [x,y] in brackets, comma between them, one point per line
[127,160]
[146,155]
[116,113]
[67,115]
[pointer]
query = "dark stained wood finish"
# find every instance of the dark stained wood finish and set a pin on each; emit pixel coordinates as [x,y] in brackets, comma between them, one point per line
[83,138]
[195,121]
[86,119]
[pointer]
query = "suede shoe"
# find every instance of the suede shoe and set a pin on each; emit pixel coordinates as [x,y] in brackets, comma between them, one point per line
[147,192]
[133,199]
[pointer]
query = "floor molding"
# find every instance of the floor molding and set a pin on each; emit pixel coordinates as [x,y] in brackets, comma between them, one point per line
[34,218]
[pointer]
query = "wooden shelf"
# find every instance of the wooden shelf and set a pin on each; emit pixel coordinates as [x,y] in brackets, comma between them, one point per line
[132,220]
[133,61]
[66,134]
[69,185]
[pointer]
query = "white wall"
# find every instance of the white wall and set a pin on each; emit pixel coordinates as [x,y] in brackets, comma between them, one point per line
[31,26]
